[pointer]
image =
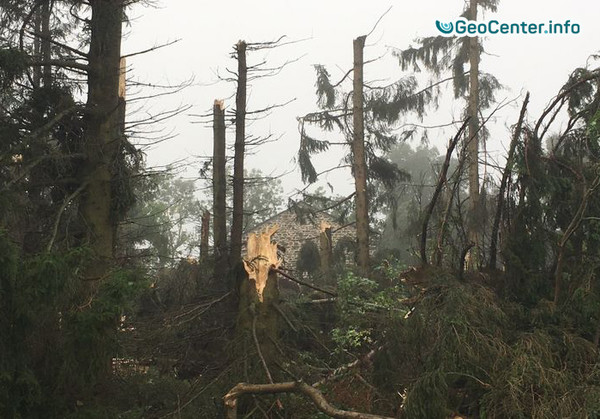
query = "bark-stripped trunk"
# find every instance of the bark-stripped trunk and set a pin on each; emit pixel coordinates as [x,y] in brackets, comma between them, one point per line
[237,221]
[504,184]
[359,161]
[219,192]
[103,130]
[473,145]
[258,297]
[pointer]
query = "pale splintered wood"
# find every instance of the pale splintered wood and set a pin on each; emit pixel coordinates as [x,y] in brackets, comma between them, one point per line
[261,258]
[122,77]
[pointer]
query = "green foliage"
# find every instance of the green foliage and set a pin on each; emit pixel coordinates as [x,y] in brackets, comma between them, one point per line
[308,260]
[13,64]
[465,350]
[325,90]
[59,334]
[361,305]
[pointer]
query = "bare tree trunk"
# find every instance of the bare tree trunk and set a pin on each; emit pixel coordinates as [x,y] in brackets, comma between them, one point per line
[103,130]
[359,161]
[46,51]
[37,48]
[474,225]
[219,192]
[438,190]
[504,183]
[204,234]
[237,222]
[230,399]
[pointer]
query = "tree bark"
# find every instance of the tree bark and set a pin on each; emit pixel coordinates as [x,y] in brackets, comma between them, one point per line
[204,234]
[46,51]
[219,192]
[473,143]
[504,184]
[103,131]
[359,160]
[237,222]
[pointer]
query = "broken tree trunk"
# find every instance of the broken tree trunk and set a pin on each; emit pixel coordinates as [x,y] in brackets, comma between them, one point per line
[231,399]
[504,184]
[359,160]
[259,295]
[219,192]
[237,221]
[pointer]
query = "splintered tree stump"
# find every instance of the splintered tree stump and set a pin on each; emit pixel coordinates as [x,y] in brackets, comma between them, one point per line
[261,259]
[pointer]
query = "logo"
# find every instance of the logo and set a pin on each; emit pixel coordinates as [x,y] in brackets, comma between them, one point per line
[464,27]
[445,28]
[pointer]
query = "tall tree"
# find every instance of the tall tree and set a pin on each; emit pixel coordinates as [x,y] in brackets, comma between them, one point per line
[238,159]
[473,137]
[376,111]
[439,54]
[102,132]
[359,163]
[219,192]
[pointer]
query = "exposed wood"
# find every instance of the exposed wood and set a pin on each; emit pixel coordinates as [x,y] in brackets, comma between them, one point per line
[438,189]
[504,183]
[344,368]
[230,399]
[219,183]
[359,159]
[261,258]
[237,222]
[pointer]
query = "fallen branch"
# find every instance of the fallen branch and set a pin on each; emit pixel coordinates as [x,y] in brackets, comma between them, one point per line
[348,366]
[299,387]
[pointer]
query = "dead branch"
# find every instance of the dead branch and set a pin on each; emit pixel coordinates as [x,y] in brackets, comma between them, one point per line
[60,211]
[230,399]
[306,284]
[504,182]
[338,371]
[151,49]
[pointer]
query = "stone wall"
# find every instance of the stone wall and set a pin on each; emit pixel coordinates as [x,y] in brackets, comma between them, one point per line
[292,234]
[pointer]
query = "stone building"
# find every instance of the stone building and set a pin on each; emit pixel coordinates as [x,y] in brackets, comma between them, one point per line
[294,234]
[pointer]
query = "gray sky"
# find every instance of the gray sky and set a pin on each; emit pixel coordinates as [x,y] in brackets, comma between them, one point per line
[208,31]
